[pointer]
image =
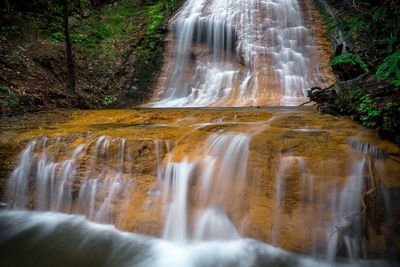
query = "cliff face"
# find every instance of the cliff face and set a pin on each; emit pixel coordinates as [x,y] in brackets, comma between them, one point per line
[117,50]
[366,63]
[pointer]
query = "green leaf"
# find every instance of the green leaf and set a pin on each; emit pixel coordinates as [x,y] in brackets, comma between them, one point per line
[389,67]
[348,57]
[13,101]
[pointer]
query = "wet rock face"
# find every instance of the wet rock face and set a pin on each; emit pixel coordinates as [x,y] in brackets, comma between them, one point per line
[234,53]
[276,175]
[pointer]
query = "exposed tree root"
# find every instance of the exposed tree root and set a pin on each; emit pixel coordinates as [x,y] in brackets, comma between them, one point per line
[370,201]
[344,230]
[305,103]
[373,186]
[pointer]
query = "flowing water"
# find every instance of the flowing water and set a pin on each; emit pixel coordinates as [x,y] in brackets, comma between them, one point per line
[199,182]
[243,52]
[215,186]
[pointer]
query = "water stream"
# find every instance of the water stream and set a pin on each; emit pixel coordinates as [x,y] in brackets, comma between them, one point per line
[215,186]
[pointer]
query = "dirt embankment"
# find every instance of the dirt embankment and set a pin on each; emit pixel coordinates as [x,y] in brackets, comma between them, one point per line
[117,50]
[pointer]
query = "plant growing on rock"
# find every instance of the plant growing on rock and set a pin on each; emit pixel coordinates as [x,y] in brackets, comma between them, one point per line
[109,100]
[368,110]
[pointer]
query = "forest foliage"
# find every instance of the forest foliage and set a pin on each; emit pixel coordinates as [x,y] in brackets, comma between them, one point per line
[374,27]
[366,35]
[90,21]
[106,32]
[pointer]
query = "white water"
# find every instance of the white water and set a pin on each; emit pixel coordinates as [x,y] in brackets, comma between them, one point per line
[59,186]
[271,41]
[349,209]
[267,36]
[18,182]
[54,239]
[221,168]
[55,179]
[177,177]
[215,225]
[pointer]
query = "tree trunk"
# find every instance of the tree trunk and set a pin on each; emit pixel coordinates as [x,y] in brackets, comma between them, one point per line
[70,61]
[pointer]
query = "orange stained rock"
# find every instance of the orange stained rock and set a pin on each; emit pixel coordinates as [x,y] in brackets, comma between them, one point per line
[309,155]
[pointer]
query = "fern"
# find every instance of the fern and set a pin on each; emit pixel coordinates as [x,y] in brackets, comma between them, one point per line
[389,67]
[348,57]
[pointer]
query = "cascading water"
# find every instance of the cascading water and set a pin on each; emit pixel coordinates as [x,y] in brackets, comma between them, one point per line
[177,175]
[238,52]
[348,233]
[56,185]
[224,156]
[202,184]
[213,178]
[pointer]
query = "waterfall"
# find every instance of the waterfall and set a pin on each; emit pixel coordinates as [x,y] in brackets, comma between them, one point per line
[207,186]
[18,182]
[238,52]
[177,175]
[347,232]
[221,168]
[57,183]
[277,175]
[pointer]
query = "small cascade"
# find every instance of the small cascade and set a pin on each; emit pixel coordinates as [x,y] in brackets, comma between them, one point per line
[349,214]
[218,171]
[90,180]
[233,53]
[287,170]
[196,179]
[363,201]
[356,206]
[297,189]
[177,175]
[214,224]
[18,182]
